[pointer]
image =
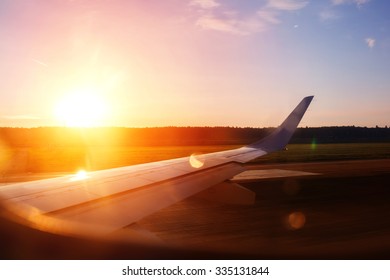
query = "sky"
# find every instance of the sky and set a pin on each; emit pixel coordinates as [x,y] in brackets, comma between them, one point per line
[193,62]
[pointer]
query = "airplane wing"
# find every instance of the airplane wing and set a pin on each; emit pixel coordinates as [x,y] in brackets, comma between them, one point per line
[101,202]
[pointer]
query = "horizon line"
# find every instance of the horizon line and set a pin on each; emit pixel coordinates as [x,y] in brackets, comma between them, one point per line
[172,126]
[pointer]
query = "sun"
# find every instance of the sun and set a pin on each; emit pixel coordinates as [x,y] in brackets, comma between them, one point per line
[81,108]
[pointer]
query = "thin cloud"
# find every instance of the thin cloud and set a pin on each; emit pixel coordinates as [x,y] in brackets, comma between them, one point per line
[39,62]
[370,42]
[21,117]
[213,23]
[238,27]
[205,4]
[269,16]
[328,15]
[287,5]
[216,17]
[358,3]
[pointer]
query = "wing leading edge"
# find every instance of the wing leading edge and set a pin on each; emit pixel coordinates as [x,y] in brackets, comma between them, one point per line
[107,200]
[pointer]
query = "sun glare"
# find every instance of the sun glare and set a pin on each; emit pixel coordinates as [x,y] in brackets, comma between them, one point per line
[81,108]
[80,175]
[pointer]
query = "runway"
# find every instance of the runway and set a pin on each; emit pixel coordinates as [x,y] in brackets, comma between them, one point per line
[341,210]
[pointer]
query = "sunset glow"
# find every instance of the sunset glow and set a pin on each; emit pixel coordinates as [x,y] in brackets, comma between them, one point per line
[193,63]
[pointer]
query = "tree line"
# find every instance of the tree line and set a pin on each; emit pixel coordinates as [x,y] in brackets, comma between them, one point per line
[172,136]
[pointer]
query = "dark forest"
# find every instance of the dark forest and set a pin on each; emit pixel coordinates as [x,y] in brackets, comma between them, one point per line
[176,136]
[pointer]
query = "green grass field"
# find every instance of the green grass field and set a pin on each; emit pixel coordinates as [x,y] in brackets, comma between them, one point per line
[68,159]
[328,152]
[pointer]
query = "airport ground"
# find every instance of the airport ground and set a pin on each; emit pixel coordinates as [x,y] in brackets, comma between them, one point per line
[341,212]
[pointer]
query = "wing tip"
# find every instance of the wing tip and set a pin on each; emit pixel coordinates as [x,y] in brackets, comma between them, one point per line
[279,138]
[309,98]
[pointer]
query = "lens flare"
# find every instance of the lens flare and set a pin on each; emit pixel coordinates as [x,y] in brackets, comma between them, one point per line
[296,220]
[196,160]
[313,145]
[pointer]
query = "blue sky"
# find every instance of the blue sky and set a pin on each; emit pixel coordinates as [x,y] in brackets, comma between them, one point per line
[195,62]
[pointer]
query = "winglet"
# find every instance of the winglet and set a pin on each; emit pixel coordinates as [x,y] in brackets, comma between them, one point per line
[279,138]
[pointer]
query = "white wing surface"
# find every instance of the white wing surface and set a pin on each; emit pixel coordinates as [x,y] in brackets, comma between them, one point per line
[104,201]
